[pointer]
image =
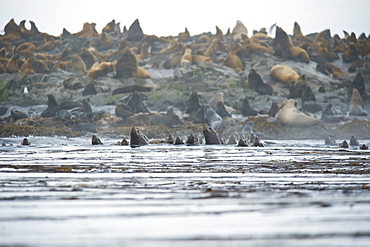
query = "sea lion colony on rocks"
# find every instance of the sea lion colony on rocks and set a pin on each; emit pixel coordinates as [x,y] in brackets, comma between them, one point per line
[107,82]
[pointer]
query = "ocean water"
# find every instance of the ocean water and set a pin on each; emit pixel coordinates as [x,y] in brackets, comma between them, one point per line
[65,192]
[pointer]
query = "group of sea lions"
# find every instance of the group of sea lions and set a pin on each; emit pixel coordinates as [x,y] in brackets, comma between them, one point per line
[127,54]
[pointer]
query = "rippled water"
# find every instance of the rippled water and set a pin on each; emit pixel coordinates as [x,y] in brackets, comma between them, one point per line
[66,192]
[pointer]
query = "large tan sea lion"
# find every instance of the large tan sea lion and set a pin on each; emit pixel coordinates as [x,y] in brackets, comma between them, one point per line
[289,115]
[233,61]
[284,73]
[238,30]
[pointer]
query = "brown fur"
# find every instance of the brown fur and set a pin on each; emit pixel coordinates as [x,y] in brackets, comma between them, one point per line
[144,52]
[322,50]
[12,31]
[233,61]
[284,73]
[173,46]
[89,56]
[100,69]
[197,59]
[62,65]
[49,44]
[12,65]
[184,35]
[127,66]
[40,66]
[27,67]
[350,54]
[219,97]
[365,52]
[283,46]
[23,48]
[87,31]
[219,34]
[109,27]
[288,115]
[324,36]
[298,37]
[27,33]
[104,43]
[337,72]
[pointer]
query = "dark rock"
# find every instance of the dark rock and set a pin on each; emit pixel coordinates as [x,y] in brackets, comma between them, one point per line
[131,89]
[77,126]
[328,115]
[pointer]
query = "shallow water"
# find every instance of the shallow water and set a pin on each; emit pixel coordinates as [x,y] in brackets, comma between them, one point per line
[66,192]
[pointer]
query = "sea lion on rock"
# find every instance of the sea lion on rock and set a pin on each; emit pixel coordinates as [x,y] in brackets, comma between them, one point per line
[123,111]
[284,73]
[52,109]
[273,109]
[283,47]
[192,105]
[213,119]
[127,66]
[95,140]
[135,33]
[233,61]
[219,97]
[12,64]
[100,69]
[186,59]
[297,88]
[289,115]
[356,105]
[238,30]
[210,135]
[309,101]
[137,138]
[16,114]
[247,110]
[256,83]
[77,65]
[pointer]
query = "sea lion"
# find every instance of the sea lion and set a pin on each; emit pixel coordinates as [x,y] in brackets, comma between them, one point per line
[330,141]
[100,69]
[95,140]
[256,83]
[89,89]
[213,119]
[297,88]
[284,74]
[337,72]
[298,37]
[127,66]
[247,129]
[322,50]
[178,141]
[351,54]
[48,45]
[144,52]
[12,31]
[353,141]
[137,138]
[16,114]
[356,105]
[89,56]
[12,64]
[110,27]
[135,33]
[238,30]
[25,142]
[233,61]
[344,144]
[25,48]
[192,104]
[183,36]
[283,47]
[364,147]
[186,59]
[242,143]
[289,115]
[123,111]
[219,97]
[221,110]
[257,142]
[52,109]
[170,139]
[103,43]
[309,101]
[273,109]
[210,135]
[173,46]
[27,68]
[247,110]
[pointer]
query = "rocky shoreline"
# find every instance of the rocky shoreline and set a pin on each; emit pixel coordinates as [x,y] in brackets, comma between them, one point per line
[166,81]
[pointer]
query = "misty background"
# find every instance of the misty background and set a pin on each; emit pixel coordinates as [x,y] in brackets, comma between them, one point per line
[164,17]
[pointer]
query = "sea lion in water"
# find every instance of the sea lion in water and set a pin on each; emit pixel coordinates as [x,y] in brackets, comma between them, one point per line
[289,115]
[356,105]
[25,142]
[95,140]
[192,140]
[137,138]
[210,135]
